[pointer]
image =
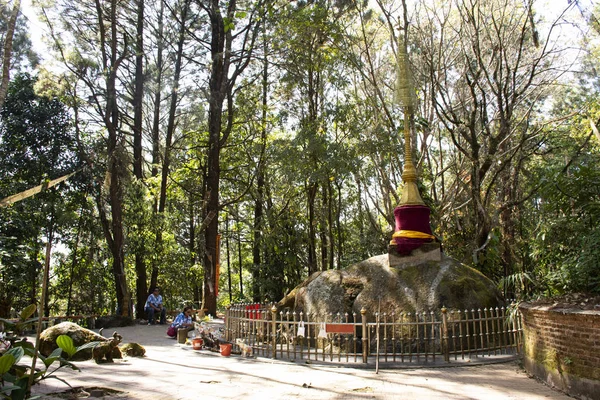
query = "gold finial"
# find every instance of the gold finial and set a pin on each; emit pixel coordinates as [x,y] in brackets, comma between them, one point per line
[410,191]
[406,96]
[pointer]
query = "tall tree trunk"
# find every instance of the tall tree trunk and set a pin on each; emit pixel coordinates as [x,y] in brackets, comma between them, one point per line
[330,236]
[508,224]
[34,270]
[324,228]
[74,260]
[46,271]
[192,248]
[212,186]
[312,240]
[169,137]
[338,226]
[482,226]
[156,158]
[116,167]
[7,51]
[361,225]
[228,245]
[91,254]
[218,88]
[158,96]
[260,182]
[141,282]
[138,93]
[240,262]
[221,85]
[257,241]
[313,91]
[117,241]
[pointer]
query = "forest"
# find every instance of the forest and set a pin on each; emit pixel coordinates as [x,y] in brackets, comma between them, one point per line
[227,150]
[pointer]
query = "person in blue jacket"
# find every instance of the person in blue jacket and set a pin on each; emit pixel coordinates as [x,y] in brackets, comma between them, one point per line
[181,321]
[154,305]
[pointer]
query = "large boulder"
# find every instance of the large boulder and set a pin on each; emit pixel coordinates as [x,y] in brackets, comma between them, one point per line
[79,335]
[373,285]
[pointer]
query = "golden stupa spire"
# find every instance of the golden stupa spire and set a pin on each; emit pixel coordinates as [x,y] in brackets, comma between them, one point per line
[406,97]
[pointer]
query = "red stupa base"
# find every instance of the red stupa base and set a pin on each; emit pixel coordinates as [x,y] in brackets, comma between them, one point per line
[411,218]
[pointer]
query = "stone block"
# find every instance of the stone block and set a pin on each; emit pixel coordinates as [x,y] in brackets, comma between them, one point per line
[427,252]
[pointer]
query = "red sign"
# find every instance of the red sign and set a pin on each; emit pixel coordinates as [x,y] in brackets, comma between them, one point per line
[339,328]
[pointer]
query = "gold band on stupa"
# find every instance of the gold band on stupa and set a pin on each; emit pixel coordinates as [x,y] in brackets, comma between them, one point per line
[412,234]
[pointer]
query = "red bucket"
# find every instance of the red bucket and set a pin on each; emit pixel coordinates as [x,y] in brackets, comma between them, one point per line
[197,344]
[225,349]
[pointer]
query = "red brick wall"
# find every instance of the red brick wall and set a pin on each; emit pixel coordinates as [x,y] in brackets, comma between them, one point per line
[562,347]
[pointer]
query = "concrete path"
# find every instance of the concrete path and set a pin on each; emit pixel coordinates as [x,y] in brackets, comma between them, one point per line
[174,371]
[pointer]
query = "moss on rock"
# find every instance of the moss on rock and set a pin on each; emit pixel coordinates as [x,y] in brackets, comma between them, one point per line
[133,349]
[373,285]
[79,335]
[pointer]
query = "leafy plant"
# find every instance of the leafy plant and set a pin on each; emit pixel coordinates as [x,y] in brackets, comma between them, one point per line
[14,377]
[512,313]
[6,363]
[23,322]
[65,343]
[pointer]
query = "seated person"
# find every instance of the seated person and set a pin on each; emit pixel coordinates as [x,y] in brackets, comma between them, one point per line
[182,321]
[154,305]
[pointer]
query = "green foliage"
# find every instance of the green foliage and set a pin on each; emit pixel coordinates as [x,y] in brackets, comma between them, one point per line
[568,237]
[65,343]
[562,222]
[320,131]
[23,322]
[14,381]
[15,377]
[36,145]
[82,279]
[6,362]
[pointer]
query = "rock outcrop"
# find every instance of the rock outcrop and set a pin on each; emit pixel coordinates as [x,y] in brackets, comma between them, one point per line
[79,335]
[413,287]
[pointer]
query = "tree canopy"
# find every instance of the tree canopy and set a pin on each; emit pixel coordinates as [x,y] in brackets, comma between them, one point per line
[226,150]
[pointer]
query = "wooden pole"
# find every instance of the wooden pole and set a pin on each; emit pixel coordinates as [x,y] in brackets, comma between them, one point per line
[365,339]
[378,326]
[42,306]
[218,268]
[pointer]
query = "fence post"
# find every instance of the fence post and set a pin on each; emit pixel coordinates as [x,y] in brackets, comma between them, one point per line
[227,323]
[365,338]
[516,320]
[274,330]
[445,347]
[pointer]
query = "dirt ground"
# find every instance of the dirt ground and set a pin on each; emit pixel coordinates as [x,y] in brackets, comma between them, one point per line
[176,371]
